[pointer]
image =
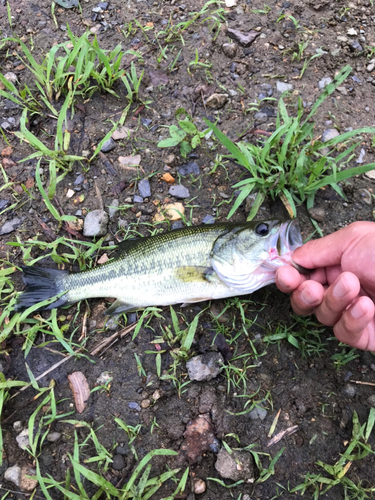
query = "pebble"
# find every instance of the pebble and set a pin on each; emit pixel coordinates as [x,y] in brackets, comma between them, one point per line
[103,378]
[342,90]
[229,49]
[118,462]
[208,219]
[79,180]
[356,46]
[258,413]
[10,225]
[283,87]
[146,122]
[144,188]
[4,204]
[52,437]
[236,466]
[23,439]
[17,426]
[244,39]
[371,400]
[232,92]
[112,324]
[371,66]
[17,475]
[367,196]
[179,191]
[137,199]
[199,486]
[324,82]
[121,450]
[96,223]
[11,77]
[349,390]
[108,145]
[134,406]
[113,207]
[13,474]
[329,134]
[216,101]
[352,32]
[205,366]
[317,214]
[177,224]
[145,403]
[189,168]
[361,156]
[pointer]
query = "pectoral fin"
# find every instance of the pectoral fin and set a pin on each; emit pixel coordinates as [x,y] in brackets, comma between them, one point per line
[196,274]
[119,307]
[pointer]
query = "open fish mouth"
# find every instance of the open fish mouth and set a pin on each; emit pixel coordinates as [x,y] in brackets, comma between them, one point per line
[289,237]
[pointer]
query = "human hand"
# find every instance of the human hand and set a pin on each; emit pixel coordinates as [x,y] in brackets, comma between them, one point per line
[340,290]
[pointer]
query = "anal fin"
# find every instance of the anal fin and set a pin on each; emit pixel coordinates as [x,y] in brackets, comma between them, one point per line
[119,307]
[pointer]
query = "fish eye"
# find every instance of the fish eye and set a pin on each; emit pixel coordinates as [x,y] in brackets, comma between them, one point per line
[262,229]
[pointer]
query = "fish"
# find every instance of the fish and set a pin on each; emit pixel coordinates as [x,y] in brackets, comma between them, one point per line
[182,266]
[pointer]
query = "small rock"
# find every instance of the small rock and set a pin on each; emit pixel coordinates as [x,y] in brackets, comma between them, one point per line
[230,3]
[258,413]
[324,82]
[371,66]
[283,87]
[129,161]
[171,160]
[23,439]
[371,400]
[112,324]
[113,207]
[145,403]
[11,77]
[205,366]
[329,134]
[342,90]
[356,46]
[229,49]
[199,486]
[352,32]
[122,133]
[361,156]
[189,168]
[342,39]
[168,178]
[244,39]
[17,426]
[208,219]
[349,390]
[11,225]
[104,378]
[217,101]
[317,214]
[237,466]
[26,483]
[4,204]
[70,193]
[79,180]
[134,406]
[144,188]
[96,223]
[52,437]
[366,196]
[108,145]
[137,199]
[232,93]
[199,438]
[146,122]
[179,191]
[13,475]
[118,462]
[370,175]
[122,450]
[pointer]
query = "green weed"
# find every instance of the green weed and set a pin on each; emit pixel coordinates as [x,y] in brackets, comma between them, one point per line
[290,164]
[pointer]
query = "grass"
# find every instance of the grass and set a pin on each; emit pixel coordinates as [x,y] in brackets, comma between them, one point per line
[291,164]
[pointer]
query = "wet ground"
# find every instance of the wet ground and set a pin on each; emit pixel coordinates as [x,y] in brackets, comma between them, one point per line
[311,388]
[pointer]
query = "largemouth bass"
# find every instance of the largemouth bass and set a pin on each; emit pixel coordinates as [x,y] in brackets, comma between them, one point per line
[186,265]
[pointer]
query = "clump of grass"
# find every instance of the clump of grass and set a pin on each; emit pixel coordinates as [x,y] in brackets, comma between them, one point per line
[291,164]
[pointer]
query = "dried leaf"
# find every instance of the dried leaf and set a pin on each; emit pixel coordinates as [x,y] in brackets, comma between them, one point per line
[80,389]
[7,151]
[171,211]
[122,133]
[8,163]
[129,161]
[103,259]
[199,437]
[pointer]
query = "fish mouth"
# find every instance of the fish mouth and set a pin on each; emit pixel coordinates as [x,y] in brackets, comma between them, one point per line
[290,239]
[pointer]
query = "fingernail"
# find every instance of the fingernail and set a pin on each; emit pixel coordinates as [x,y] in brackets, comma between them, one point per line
[357,311]
[307,297]
[339,290]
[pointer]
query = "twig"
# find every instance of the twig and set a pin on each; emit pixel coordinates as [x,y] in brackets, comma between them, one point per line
[280,435]
[99,195]
[372,384]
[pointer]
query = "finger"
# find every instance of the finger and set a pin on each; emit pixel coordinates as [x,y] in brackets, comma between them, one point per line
[356,325]
[307,297]
[328,251]
[287,279]
[337,298]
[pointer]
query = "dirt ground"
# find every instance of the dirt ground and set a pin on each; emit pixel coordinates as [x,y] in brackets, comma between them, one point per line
[310,389]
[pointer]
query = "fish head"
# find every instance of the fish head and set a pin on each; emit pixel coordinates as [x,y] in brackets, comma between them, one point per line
[247,257]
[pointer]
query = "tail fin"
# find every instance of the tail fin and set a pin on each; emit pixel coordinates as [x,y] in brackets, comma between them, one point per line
[41,284]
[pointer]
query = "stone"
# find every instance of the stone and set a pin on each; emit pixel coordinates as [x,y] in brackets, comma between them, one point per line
[79,180]
[108,145]
[52,437]
[349,391]
[199,486]
[122,133]
[352,32]
[229,49]
[361,156]
[113,207]
[133,405]
[129,161]
[27,484]
[232,93]
[258,413]
[356,47]
[329,134]
[371,400]
[205,366]
[144,188]
[230,3]
[11,77]
[13,475]
[118,462]
[283,87]
[11,225]
[236,466]
[103,379]
[145,403]
[317,214]
[190,168]
[208,219]
[216,101]
[23,439]
[324,82]
[244,39]
[366,197]
[96,223]
[17,426]
[137,199]
[342,90]
[371,66]
[179,191]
